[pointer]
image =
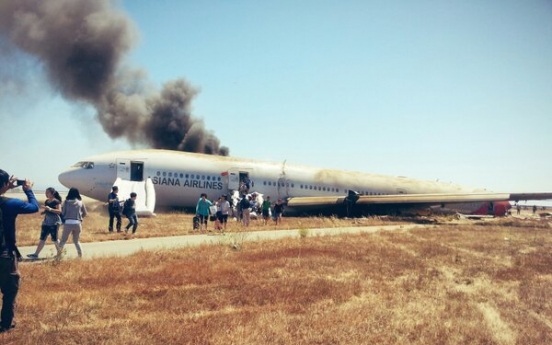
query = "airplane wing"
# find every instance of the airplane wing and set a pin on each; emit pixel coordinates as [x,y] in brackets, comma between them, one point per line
[417,199]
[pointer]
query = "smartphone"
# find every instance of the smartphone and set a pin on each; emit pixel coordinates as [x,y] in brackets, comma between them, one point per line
[20,182]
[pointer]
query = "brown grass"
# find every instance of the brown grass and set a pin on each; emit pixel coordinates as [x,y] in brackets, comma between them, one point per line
[445,284]
[174,223]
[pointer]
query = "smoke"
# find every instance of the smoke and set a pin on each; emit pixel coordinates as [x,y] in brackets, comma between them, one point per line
[81,45]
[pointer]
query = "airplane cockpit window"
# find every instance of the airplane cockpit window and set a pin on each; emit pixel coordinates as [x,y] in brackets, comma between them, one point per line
[84,165]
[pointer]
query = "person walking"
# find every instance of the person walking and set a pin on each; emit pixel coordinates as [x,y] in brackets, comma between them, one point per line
[73,212]
[114,208]
[278,210]
[225,211]
[10,208]
[129,210]
[218,214]
[202,211]
[51,222]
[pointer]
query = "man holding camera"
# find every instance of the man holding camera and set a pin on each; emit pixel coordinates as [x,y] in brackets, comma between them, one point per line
[9,255]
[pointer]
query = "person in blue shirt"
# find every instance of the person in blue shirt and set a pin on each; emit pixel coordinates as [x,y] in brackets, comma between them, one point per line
[130,212]
[9,255]
[114,209]
[202,211]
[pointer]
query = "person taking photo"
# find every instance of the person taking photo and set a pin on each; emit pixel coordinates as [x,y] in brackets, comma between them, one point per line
[10,208]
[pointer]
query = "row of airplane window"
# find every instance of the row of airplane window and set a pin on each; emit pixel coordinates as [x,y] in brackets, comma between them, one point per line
[266,183]
[320,188]
[310,187]
[190,176]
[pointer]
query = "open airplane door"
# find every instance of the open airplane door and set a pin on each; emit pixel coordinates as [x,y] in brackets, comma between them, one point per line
[145,195]
[233,179]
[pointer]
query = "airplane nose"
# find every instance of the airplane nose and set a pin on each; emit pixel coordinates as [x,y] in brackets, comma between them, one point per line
[68,178]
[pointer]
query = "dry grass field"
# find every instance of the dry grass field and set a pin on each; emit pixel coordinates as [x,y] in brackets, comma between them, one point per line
[172,223]
[450,283]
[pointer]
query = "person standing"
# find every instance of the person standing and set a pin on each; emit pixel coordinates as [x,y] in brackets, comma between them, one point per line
[73,212]
[114,208]
[265,209]
[225,211]
[130,212]
[202,211]
[278,210]
[51,222]
[218,214]
[9,273]
[246,205]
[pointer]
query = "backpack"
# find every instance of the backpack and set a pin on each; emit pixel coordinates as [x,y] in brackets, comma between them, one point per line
[244,203]
[127,208]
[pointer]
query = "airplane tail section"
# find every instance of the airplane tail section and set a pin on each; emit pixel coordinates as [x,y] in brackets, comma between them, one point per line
[145,195]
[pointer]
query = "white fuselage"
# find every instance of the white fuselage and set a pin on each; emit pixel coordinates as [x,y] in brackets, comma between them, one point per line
[179,178]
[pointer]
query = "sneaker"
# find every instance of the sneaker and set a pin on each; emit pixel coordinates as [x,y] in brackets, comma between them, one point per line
[32,256]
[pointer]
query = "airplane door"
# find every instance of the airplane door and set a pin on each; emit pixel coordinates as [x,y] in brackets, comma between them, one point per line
[137,171]
[123,169]
[233,179]
[237,177]
[130,170]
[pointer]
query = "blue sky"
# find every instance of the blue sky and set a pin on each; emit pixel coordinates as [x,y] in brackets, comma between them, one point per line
[458,91]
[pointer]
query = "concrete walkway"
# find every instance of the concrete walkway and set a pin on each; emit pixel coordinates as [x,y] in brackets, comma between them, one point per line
[130,246]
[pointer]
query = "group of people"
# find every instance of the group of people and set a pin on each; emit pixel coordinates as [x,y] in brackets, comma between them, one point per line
[220,210]
[116,207]
[265,207]
[69,213]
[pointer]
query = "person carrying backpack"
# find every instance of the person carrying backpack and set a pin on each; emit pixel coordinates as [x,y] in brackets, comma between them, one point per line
[129,210]
[9,255]
[246,205]
[114,209]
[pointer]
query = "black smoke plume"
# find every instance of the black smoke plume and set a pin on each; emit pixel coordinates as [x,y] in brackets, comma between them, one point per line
[81,45]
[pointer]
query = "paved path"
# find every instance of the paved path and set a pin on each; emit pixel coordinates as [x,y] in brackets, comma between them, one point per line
[133,245]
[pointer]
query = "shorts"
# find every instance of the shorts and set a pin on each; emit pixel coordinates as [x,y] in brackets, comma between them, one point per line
[203,218]
[51,230]
[223,218]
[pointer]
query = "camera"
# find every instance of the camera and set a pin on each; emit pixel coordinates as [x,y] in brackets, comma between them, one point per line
[20,182]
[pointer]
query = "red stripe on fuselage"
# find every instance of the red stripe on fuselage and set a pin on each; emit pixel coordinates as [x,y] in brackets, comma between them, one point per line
[500,209]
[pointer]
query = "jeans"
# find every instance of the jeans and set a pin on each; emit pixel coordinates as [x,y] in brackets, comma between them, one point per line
[133,221]
[9,285]
[114,214]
